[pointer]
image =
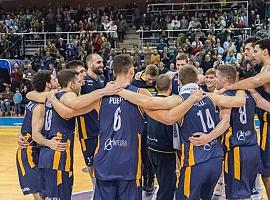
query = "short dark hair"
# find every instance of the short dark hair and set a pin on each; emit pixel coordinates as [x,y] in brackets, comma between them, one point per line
[251,40]
[182,56]
[40,79]
[66,76]
[188,74]
[163,83]
[122,63]
[228,71]
[74,64]
[264,44]
[152,70]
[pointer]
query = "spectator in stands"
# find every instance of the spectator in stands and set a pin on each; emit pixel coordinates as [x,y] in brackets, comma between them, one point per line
[218,62]
[16,77]
[61,46]
[165,57]
[17,99]
[136,56]
[6,101]
[28,75]
[172,67]
[184,23]
[231,59]
[155,58]
[122,28]
[161,68]
[175,24]
[161,46]
[207,63]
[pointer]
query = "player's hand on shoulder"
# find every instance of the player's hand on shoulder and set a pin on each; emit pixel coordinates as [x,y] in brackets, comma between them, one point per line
[112,88]
[197,95]
[221,91]
[56,144]
[22,142]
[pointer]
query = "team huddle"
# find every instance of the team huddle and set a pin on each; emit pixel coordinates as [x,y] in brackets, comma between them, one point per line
[209,132]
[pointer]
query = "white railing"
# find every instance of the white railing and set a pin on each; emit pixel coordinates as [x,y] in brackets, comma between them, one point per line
[172,34]
[42,38]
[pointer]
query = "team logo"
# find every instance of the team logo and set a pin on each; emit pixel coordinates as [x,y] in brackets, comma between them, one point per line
[110,143]
[207,147]
[241,136]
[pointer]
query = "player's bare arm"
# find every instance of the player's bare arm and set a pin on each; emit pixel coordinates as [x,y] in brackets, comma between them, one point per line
[238,100]
[260,101]
[176,114]
[146,101]
[37,126]
[251,83]
[36,96]
[66,112]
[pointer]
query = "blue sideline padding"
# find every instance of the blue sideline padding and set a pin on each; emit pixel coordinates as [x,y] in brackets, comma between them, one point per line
[11,121]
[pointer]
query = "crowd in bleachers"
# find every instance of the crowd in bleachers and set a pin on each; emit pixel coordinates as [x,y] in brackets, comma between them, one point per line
[205,49]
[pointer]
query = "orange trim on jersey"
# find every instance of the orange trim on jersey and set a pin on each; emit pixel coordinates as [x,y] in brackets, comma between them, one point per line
[68,158]
[30,156]
[98,145]
[83,144]
[264,132]
[139,166]
[226,164]
[237,170]
[191,159]
[19,157]
[59,177]
[187,181]
[83,127]
[182,155]
[57,155]
[227,138]
[70,174]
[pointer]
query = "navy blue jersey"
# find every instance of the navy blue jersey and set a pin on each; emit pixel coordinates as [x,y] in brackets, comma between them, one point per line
[88,124]
[55,125]
[264,118]
[121,125]
[201,117]
[242,131]
[159,135]
[175,85]
[26,129]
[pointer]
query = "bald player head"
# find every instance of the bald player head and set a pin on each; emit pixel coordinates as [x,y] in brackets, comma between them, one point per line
[94,63]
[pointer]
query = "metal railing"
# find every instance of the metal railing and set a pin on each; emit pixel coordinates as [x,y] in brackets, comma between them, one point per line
[152,36]
[39,40]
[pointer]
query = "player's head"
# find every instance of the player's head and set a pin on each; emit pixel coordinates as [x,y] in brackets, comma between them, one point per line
[44,81]
[94,63]
[249,47]
[164,84]
[69,79]
[188,74]
[151,73]
[78,66]
[210,78]
[123,66]
[261,50]
[181,60]
[225,75]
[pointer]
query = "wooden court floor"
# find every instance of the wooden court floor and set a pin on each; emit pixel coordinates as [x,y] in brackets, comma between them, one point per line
[9,184]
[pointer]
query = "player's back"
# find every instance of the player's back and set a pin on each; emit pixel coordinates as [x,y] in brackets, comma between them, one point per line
[26,129]
[121,125]
[202,117]
[242,131]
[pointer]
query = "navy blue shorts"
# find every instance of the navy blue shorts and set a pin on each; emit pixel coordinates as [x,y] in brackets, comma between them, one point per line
[56,184]
[240,171]
[198,181]
[120,190]
[28,172]
[89,146]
